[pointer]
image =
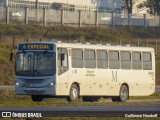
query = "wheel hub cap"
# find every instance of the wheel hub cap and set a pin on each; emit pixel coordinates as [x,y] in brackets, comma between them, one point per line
[74,93]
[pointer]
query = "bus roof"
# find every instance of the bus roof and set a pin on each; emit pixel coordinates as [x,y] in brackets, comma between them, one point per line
[95,46]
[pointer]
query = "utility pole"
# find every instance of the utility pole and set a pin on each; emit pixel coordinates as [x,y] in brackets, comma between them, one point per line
[36,5]
[129,4]
[159,13]
[36,10]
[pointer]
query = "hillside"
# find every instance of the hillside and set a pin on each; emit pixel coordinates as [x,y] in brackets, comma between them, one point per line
[6,67]
[89,33]
[21,33]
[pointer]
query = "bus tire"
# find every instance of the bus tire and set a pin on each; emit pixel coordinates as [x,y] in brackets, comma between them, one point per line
[73,94]
[123,95]
[37,98]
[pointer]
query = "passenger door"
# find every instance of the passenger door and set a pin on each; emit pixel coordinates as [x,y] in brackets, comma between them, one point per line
[63,74]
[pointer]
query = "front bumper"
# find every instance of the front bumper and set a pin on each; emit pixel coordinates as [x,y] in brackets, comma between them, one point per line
[35,91]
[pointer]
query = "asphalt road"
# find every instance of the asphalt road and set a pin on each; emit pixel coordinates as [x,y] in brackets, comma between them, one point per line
[13,88]
[84,110]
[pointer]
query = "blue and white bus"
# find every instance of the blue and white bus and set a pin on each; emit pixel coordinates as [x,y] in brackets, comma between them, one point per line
[73,70]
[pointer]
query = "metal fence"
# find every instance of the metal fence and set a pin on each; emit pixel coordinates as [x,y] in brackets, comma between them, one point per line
[17,39]
[75,18]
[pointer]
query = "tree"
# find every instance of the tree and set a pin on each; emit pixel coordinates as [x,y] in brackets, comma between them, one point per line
[127,5]
[152,6]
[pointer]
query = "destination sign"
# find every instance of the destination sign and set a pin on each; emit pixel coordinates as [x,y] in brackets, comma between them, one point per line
[35,46]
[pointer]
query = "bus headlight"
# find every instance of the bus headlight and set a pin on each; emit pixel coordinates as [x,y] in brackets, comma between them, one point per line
[51,84]
[17,84]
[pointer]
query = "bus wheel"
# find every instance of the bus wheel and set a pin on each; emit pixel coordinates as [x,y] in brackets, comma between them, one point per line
[37,98]
[123,95]
[74,93]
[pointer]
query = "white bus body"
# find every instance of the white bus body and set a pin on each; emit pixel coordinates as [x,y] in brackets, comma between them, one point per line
[98,70]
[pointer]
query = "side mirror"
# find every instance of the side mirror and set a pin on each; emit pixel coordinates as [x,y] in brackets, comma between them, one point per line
[11,56]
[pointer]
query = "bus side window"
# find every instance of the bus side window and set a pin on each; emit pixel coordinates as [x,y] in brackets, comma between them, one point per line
[102,59]
[125,60]
[147,61]
[136,61]
[90,59]
[62,60]
[77,58]
[114,62]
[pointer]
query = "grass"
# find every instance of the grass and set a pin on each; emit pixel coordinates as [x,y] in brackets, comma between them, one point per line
[87,33]
[153,96]
[9,98]
[7,67]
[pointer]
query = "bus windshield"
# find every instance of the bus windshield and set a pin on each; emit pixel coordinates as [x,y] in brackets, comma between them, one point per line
[35,64]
